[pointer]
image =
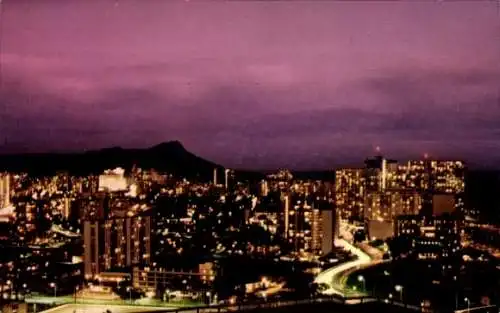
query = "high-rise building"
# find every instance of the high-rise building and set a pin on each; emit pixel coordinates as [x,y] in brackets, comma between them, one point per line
[350,193]
[66,207]
[431,238]
[4,190]
[417,175]
[116,243]
[309,223]
[327,231]
[388,189]
[316,230]
[264,188]
[447,177]
[336,226]
[385,206]
[379,173]
[215,176]
[435,176]
[298,222]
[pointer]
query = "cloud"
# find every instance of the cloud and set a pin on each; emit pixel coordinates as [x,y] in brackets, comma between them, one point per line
[253,84]
[241,120]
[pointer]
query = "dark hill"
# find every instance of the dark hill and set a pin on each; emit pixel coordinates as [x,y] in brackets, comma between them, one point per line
[169,157]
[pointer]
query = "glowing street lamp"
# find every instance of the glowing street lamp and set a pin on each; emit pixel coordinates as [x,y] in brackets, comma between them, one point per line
[129,289]
[468,304]
[399,289]
[76,292]
[362,279]
[54,285]
[209,295]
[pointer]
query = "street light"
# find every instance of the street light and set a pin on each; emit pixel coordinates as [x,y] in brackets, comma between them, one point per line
[130,293]
[399,289]
[9,283]
[468,304]
[54,285]
[76,292]
[362,279]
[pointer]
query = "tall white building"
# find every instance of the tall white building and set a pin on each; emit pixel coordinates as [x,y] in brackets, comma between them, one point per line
[113,180]
[4,190]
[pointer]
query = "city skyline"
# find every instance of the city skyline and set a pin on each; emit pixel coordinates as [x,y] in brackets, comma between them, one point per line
[299,85]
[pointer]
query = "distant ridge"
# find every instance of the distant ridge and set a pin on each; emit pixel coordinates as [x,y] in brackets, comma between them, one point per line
[169,157]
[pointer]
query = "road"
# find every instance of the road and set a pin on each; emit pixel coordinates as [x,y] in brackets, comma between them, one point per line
[333,277]
[336,277]
[70,300]
[101,308]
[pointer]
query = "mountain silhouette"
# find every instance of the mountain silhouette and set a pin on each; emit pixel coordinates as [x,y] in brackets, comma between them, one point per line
[170,157]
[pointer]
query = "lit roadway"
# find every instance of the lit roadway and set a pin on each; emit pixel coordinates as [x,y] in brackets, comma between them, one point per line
[92,308]
[336,277]
[70,300]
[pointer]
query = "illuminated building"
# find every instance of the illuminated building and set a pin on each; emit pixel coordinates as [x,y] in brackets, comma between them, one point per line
[391,203]
[436,176]
[447,177]
[281,180]
[7,214]
[268,221]
[350,192]
[154,279]
[282,175]
[378,172]
[317,230]
[66,208]
[85,185]
[374,206]
[309,224]
[387,189]
[215,176]
[113,180]
[298,222]
[26,215]
[431,238]
[4,190]
[94,207]
[286,200]
[264,188]
[118,242]
[417,175]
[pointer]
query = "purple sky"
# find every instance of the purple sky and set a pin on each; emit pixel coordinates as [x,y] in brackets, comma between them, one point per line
[254,84]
